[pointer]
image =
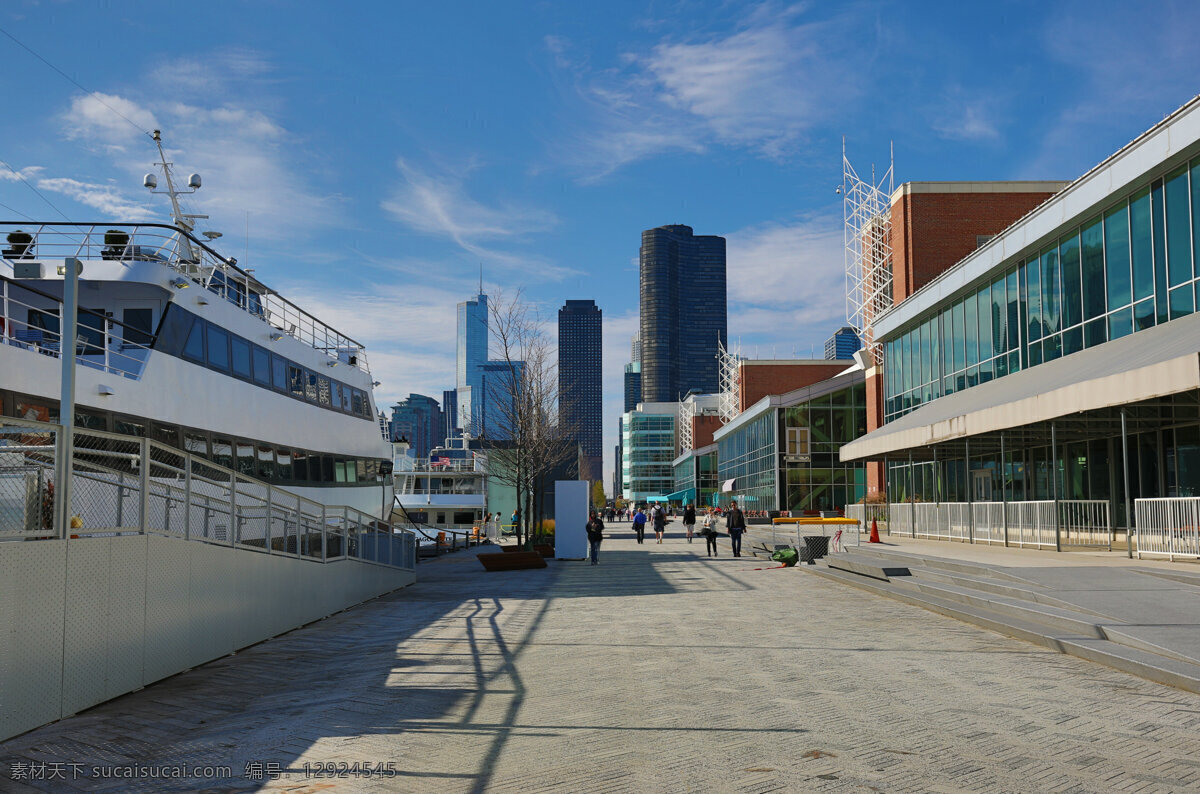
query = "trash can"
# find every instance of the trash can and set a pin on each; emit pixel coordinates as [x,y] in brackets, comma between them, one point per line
[817,545]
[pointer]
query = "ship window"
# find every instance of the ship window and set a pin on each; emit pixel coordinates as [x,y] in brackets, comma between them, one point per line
[218,348]
[310,386]
[284,465]
[295,380]
[339,468]
[36,411]
[245,458]
[345,398]
[262,366]
[174,331]
[195,444]
[89,333]
[300,466]
[464,518]
[128,428]
[44,320]
[279,377]
[266,463]
[95,420]
[222,452]
[140,326]
[357,398]
[165,434]
[326,468]
[241,357]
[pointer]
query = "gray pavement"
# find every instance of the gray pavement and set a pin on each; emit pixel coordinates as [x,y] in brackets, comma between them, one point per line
[657,670]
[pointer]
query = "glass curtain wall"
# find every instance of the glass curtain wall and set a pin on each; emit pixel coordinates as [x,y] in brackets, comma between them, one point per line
[823,482]
[748,455]
[1128,268]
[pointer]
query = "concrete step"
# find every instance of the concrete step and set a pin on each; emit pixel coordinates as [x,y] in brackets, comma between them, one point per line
[1133,660]
[1011,589]
[865,566]
[1057,618]
[931,561]
[1187,577]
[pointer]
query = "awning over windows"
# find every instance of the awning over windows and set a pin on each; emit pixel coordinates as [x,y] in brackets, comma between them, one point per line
[1153,363]
[729,485]
[684,496]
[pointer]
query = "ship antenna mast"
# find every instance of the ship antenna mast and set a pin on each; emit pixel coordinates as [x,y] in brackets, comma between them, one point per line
[182,220]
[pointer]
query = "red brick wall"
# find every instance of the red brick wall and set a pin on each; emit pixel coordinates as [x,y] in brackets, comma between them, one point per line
[703,428]
[933,231]
[759,380]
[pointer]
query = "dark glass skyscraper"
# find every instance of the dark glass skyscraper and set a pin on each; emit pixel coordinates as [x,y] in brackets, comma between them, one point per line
[580,389]
[682,312]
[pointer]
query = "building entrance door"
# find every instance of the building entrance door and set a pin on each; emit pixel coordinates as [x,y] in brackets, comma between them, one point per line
[981,485]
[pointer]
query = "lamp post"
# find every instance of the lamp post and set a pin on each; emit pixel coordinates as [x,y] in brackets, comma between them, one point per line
[70,270]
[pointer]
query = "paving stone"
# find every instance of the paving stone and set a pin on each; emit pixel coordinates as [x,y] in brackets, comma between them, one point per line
[658,670]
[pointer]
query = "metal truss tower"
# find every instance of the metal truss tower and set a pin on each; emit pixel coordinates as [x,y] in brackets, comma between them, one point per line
[868,237]
[729,381]
[683,425]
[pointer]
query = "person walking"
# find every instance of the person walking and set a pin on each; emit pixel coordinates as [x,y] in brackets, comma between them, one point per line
[639,525]
[709,532]
[595,534]
[735,525]
[660,521]
[689,520]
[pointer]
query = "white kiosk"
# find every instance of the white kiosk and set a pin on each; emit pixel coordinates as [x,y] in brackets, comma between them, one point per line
[570,519]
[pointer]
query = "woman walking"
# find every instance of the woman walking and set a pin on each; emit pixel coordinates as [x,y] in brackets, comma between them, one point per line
[660,521]
[710,532]
[689,520]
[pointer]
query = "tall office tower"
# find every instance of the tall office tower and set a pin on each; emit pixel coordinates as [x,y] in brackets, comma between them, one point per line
[449,415]
[635,348]
[843,344]
[682,312]
[471,355]
[580,388]
[419,419]
[633,385]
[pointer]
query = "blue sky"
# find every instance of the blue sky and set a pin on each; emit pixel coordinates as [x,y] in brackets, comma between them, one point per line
[379,153]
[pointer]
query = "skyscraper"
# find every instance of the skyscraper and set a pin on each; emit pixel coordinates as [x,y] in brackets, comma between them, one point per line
[683,312]
[471,355]
[419,419]
[633,385]
[580,389]
[842,344]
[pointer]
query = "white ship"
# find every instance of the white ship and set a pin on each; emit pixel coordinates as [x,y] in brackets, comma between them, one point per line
[178,343]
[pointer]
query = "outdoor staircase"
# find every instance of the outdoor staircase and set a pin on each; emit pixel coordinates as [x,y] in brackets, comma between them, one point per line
[1015,605]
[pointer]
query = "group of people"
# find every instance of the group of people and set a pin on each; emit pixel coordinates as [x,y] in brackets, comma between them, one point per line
[735,526]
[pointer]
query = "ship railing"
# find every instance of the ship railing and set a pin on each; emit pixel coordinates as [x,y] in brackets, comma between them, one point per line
[31,320]
[122,485]
[131,243]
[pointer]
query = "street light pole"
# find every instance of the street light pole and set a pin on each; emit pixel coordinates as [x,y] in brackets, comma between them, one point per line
[66,403]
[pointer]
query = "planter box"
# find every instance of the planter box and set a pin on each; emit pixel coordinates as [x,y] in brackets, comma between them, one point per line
[544,549]
[512,549]
[513,561]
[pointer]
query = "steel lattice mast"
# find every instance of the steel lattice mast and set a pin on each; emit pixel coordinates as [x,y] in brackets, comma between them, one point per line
[867,236]
[727,363]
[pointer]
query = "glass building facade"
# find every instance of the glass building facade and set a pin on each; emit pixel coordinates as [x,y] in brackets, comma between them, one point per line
[580,391]
[787,458]
[696,478]
[1128,267]
[648,450]
[683,312]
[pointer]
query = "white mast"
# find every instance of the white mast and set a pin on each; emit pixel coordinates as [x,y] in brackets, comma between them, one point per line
[182,220]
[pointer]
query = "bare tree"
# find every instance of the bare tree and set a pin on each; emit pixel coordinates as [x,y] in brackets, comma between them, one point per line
[529,442]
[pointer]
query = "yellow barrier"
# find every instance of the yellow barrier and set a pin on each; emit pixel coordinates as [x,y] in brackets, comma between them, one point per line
[814,520]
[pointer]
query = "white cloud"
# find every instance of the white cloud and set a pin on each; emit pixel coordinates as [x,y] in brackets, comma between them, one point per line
[971,123]
[617,330]
[761,87]
[107,120]
[439,205]
[10,174]
[106,198]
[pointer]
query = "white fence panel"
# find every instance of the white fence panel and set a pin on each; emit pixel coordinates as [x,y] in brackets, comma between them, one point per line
[1168,527]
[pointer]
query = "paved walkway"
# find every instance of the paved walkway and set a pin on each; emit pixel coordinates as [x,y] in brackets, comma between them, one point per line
[658,670]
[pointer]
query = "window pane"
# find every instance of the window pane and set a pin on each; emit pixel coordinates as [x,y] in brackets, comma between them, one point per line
[1141,245]
[241,357]
[218,348]
[1092,244]
[194,349]
[266,463]
[1143,315]
[284,465]
[1120,323]
[1181,302]
[960,343]
[935,354]
[1014,313]
[1033,297]
[295,380]
[222,452]
[1050,291]
[174,332]
[1158,224]
[1095,332]
[1195,176]
[1072,293]
[1072,341]
[1179,231]
[139,324]
[985,323]
[279,377]
[357,401]
[262,366]
[245,458]
[1116,257]
[323,392]
[999,318]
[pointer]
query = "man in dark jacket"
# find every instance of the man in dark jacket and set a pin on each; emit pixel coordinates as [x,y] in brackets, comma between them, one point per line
[595,534]
[735,525]
[689,520]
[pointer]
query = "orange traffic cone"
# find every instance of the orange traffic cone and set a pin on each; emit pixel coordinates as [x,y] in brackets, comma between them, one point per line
[874,533]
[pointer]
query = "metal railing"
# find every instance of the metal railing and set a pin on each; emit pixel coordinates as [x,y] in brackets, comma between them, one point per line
[100,341]
[1168,527]
[1034,524]
[130,485]
[194,260]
